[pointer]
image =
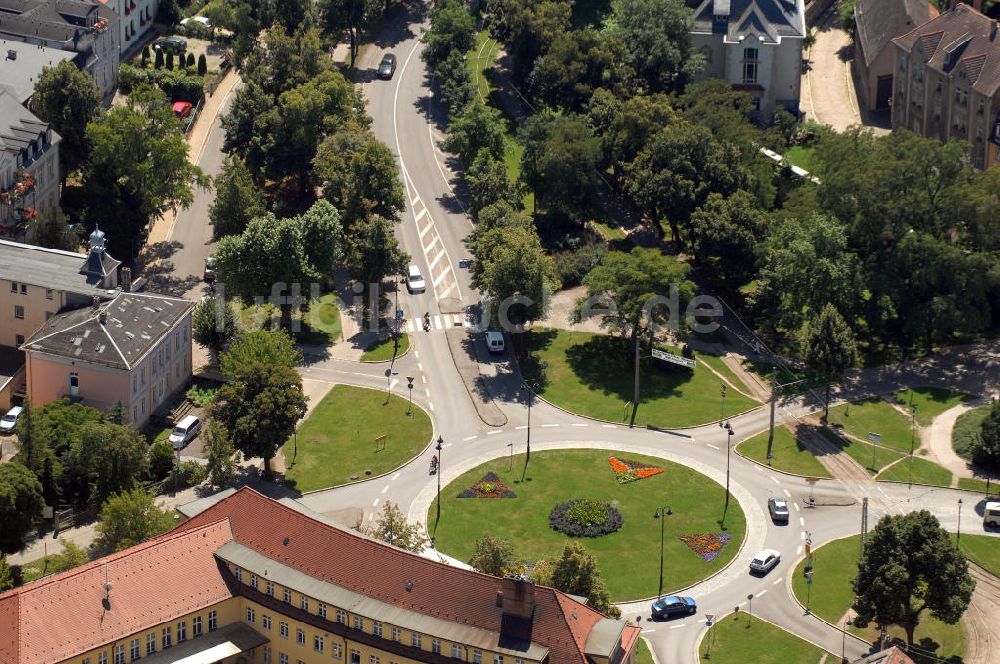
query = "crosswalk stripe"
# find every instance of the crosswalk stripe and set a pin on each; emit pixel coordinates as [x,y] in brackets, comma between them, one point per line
[456,319]
[438,323]
[434,240]
[409,326]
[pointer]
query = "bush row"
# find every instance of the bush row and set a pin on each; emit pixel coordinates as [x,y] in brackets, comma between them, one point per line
[177,84]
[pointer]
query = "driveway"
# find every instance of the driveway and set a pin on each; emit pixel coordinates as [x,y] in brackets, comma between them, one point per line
[828,93]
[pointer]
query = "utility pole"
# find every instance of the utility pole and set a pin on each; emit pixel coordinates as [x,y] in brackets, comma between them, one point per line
[774,405]
[864,524]
[635,400]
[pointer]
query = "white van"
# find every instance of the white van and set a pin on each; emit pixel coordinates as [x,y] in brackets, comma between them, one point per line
[494,341]
[415,281]
[991,515]
[185,431]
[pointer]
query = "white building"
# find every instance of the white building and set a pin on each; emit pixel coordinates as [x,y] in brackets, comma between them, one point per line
[135,20]
[756,45]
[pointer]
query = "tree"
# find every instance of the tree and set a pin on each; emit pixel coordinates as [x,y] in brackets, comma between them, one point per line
[170,60]
[726,112]
[189,62]
[71,556]
[271,347]
[202,65]
[453,28]
[493,555]
[910,564]
[624,290]
[129,518]
[392,528]
[626,127]
[654,36]
[68,99]
[145,56]
[112,456]
[986,452]
[529,28]
[488,183]
[237,199]
[32,443]
[829,349]
[350,15]
[246,125]
[373,252]
[137,169]
[20,504]
[260,407]
[478,127]
[220,454]
[161,460]
[359,175]
[559,164]
[6,575]
[727,235]
[577,63]
[323,239]
[513,269]
[213,326]
[576,573]
[455,82]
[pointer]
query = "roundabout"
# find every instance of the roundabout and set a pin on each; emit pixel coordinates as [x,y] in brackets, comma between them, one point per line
[610,512]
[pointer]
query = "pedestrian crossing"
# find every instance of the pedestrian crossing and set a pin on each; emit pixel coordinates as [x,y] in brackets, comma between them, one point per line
[439,322]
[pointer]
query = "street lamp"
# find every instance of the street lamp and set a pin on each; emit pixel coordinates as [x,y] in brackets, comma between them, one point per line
[527,452]
[439,447]
[959,519]
[913,423]
[843,642]
[722,408]
[729,447]
[662,513]
[510,466]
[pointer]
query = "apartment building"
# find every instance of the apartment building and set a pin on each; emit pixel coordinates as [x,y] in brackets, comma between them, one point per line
[756,45]
[29,166]
[22,64]
[947,82]
[254,580]
[878,21]
[135,20]
[86,28]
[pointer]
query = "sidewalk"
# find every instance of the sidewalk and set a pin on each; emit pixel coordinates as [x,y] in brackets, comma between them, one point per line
[937,439]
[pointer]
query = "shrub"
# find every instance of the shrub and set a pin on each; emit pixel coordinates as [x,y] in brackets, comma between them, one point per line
[573,265]
[170,60]
[191,473]
[190,60]
[201,395]
[161,460]
[202,65]
[158,60]
[585,517]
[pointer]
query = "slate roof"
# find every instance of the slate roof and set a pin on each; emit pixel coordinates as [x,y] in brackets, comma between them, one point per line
[972,39]
[51,268]
[770,19]
[19,128]
[63,21]
[891,655]
[21,72]
[133,323]
[878,21]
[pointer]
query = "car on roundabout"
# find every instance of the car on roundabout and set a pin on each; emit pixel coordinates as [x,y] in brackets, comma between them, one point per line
[778,508]
[672,606]
[764,561]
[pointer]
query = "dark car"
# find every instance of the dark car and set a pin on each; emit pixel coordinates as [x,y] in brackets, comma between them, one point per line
[778,507]
[175,44]
[387,67]
[672,605]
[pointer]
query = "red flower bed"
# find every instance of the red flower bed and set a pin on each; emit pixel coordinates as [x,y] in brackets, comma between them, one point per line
[627,470]
[706,545]
[491,486]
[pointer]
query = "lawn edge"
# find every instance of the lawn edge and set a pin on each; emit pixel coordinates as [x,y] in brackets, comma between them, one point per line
[736,448]
[718,619]
[393,359]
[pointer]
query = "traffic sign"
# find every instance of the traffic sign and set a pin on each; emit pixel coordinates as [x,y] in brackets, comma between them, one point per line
[874,437]
[399,314]
[673,359]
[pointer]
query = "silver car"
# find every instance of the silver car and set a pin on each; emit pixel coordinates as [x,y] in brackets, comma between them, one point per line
[778,507]
[764,561]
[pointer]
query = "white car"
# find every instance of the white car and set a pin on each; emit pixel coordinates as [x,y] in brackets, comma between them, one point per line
[415,281]
[197,19]
[9,421]
[764,561]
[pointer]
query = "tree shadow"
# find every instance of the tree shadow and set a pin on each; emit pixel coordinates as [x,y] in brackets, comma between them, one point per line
[606,364]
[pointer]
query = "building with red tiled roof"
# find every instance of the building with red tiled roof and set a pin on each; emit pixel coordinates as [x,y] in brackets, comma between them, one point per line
[251,579]
[947,81]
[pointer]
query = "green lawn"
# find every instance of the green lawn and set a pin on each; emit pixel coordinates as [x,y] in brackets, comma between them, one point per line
[337,440]
[966,431]
[610,232]
[723,369]
[863,452]
[737,639]
[982,550]
[384,349]
[930,401]
[924,472]
[592,374]
[834,566]
[642,653]
[973,484]
[321,322]
[787,453]
[627,558]
[874,415]
[479,59]
[801,156]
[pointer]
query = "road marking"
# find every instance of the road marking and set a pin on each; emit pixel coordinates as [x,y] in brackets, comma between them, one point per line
[712,446]
[393,478]
[416,355]
[420,366]
[787,495]
[452,286]
[440,277]
[393,384]
[775,480]
[494,432]
[409,326]
[677,626]
[648,631]
[435,260]
[523,426]
[423,231]
[757,468]
[802,521]
[798,551]
[415,199]
[803,535]
[544,426]
[434,240]
[577,424]
[423,378]
[431,406]
[762,592]
[446,445]
[796,506]
[777,582]
[385,488]
[428,392]
[610,426]
[438,323]
[420,215]
[468,438]
[375,504]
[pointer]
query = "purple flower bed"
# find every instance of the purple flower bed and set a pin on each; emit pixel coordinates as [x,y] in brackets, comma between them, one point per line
[706,545]
[491,486]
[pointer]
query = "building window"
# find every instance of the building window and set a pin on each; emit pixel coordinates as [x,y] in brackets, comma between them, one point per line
[414,639]
[150,644]
[286,595]
[166,637]
[267,655]
[497,659]
[456,651]
[341,616]
[18,311]
[477,657]
[182,632]
[303,602]
[102,658]
[355,656]
[213,621]
[13,287]
[250,614]
[48,293]
[372,659]
[318,643]
[196,626]
[321,610]
[265,622]
[18,339]
[436,646]
[749,73]
[283,630]
[518,660]
[120,654]
[269,589]
[24,289]
[253,581]
[300,637]
[134,653]
[377,628]
[395,634]
[282,658]
[239,574]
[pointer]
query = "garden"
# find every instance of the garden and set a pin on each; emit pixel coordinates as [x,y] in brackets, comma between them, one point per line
[593,375]
[604,499]
[337,443]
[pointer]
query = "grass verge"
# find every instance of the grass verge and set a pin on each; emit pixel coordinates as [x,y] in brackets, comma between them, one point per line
[924,472]
[801,156]
[873,415]
[336,443]
[872,457]
[788,454]
[930,401]
[642,653]
[974,484]
[592,374]
[321,323]
[628,558]
[723,370]
[737,639]
[982,550]
[384,350]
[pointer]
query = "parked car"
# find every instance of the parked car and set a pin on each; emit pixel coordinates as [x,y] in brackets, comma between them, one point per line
[387,67]
[210,268]
[9,420]
[415,281]
[184,432]
[764,561]
[175,44]
[494,341]
[668,607]
[182,109]
[778,507]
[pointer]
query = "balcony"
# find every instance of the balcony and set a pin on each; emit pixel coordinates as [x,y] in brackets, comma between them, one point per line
[24,184]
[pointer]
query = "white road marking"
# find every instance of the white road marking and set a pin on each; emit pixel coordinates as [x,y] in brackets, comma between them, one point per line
[424,378]
[423,231]
[420,366]
[434,240]
[803,534]
[578,424]
[452,286]
[777,582]
[796,506]
[375,504]
[468,438]
[712,446]
[757,468]
[393,383]
[787,495]
[414,200]
[549,425]
[775,480]
[431,406]
[762,592]
[416,354]
[435,260]
[610,426]
[677,626]
[438,324]
[647,631]
[798,551]
[393,478]
[523,426]
[420,215]
[428,393]
[409,326]
[494,432]
[440,277]
[802,521]
[385,488]
[446,445]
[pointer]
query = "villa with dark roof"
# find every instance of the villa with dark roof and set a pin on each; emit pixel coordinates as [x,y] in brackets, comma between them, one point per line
[878,22]
[756,45]
[252,580]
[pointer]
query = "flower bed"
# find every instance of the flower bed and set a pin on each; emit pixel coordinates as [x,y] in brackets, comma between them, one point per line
[706,545]
[627,470]
[491,486]
[584,517]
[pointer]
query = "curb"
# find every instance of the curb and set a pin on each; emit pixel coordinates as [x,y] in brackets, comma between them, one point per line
[472,396]
[401,355]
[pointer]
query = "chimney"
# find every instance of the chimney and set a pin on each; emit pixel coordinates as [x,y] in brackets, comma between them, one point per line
[11,54]
[95,302]
[993,30]
[518,597]
[127,279]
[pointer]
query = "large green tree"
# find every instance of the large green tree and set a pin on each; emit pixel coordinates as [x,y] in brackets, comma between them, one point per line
[20,504]
[987,449]
[51,230]
[69,100]
[576,573]
[910,565]
[559,164]
[829,348]
[392,528]
[478,127]
[655,37]
[350,15]
[271,347]
[237,199]
[112,456]
[453,28]
[373,252]
[727,235]
[513,269]
[220,455]
[577,63]
[129,518]
[213,326]
[489,183]
[493,555]
[247,126]
[137,170]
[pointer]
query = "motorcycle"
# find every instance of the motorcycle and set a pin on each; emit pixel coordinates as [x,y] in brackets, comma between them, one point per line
[427,322]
